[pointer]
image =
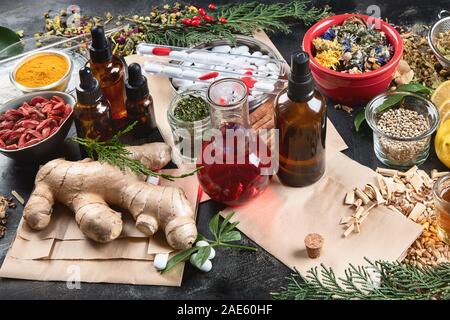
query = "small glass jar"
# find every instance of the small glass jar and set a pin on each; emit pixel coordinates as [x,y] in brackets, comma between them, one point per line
[441,195]
[187,136]
[401,152]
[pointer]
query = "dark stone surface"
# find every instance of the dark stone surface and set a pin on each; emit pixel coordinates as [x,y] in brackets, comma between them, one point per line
[236,275]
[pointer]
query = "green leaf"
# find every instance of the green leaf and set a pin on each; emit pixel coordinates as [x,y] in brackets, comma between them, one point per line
[201,256]
[231,236]
[391,101]
[9,37]
[225,222]
[214,226]
[180,257]
[359,119]
[415,88]
[230,226]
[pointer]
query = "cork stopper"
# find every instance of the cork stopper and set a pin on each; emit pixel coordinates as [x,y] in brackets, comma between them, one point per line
[314,243]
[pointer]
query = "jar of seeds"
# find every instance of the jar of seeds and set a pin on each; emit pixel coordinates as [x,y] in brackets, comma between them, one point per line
[402,125]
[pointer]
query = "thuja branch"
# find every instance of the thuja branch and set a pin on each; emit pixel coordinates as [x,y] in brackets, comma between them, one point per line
[115,153]
[379,280]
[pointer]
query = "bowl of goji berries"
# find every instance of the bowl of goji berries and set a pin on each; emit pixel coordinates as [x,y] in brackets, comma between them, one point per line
[34,126]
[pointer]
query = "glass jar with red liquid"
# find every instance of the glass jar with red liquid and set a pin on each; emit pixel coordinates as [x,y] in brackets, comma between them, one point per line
[236,162]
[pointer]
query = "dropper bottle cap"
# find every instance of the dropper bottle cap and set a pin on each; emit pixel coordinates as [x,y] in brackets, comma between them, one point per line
[99,48]
[88,91]
[136,86]
[301,82]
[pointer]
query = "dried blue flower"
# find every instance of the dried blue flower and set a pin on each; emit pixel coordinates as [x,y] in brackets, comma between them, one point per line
[330,34]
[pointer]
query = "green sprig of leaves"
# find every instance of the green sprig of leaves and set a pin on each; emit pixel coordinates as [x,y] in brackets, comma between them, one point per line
[223,234]
[115,153]
[393,100]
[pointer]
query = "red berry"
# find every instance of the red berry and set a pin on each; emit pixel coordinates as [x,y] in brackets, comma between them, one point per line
[186,21]
[212,6]
[223,20]
[202,11]
[209,18]
[196,18]
[195,23]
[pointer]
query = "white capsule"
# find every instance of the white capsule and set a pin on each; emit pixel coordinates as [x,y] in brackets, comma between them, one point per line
[241,62]
[264,86]
[262,61]
[206,267]
[153,68]
[234,51]
[144,49]
[172,72]
[273,68]
[212,254]
[246,53]
[221,49]
[202,243]
[160,261]
[180,55]
[190,74]
[263,68]
[257,54]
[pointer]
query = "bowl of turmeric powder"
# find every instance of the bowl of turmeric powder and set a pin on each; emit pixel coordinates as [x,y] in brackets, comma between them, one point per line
[42,71]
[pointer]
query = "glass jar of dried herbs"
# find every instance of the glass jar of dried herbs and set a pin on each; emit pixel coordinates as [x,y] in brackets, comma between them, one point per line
[188,117]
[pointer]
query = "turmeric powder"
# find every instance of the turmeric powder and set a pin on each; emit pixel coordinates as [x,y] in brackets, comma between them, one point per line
[42,70]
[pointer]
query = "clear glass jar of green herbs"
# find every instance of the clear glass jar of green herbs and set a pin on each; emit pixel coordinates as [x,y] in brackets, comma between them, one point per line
[188,117]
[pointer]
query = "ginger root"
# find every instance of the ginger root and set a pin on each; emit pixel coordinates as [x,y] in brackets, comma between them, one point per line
[87,187]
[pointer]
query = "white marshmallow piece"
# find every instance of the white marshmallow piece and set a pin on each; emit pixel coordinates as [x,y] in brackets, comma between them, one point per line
[221,49]
[206,267]
[160,261]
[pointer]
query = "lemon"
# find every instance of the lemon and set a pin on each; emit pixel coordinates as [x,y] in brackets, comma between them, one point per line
[444,111]
[442,142]
[442,94]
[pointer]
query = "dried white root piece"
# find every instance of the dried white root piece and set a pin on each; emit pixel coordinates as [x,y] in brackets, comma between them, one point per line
[427,181]
[416,181]
[436,174]
[417,211]
[387,172]
[382,185]
[378,197]
[361,195]
[408,173]
[346,220]
[18,197]
[350,198]
[349,230]
[358,203]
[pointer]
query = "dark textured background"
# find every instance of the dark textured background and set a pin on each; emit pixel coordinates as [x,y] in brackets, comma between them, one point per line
[235,275]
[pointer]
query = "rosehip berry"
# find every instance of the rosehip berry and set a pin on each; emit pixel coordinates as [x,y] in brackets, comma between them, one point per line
[196,18]
[223,20]
[209,18]
[212,6]
[186,21]
[195,23]
[202,11]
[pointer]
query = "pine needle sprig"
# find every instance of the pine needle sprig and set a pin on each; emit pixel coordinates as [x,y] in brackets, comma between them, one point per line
[115,153]
[379,280]
[242,18]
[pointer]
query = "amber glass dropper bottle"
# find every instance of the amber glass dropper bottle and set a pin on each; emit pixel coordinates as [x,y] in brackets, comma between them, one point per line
[139,103]
[109,70]
[300,117]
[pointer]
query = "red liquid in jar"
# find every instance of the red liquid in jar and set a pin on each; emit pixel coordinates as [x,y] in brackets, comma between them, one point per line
[233,183]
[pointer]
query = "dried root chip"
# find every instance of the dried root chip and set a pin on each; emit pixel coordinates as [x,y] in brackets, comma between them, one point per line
[314,244]
[350,198]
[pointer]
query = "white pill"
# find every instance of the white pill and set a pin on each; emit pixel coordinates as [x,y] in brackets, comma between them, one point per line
[160,261]
[246,53]
[202,243]
[172,72]
[221,49]
[243,49]
[234,51]
[241,62]
[206,267]
[181,55]
[273,68]
[257,54]
[264,86]
[153,68]
[262,61]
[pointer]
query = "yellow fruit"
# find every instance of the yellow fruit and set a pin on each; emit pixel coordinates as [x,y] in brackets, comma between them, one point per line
[441,94]
[444,111]
[442,142]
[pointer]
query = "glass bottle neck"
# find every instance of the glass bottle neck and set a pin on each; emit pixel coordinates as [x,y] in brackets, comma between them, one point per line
[228,100]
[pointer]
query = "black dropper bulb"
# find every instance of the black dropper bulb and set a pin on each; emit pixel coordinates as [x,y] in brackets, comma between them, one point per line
[100,48]
[136,87]
[301,83]
[88,91]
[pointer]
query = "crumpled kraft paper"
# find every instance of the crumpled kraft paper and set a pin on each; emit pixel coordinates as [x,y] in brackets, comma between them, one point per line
[61,250]
[280,218]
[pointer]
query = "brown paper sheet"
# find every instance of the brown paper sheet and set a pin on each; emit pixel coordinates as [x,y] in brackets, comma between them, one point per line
[50,254]
[289,214]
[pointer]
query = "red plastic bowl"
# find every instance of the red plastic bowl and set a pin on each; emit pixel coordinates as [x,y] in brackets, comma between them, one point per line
[353,89]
